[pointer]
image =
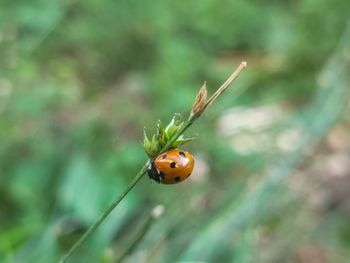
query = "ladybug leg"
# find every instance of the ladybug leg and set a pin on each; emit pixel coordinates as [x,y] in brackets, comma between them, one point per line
[153,174]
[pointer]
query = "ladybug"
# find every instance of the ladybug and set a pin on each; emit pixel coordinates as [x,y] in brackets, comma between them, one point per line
[171,167]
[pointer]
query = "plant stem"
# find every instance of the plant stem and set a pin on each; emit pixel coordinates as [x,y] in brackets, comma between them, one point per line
[94,226]
[102,217]
[143,170]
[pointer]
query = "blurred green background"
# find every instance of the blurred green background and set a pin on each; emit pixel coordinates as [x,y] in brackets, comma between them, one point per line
[80,79]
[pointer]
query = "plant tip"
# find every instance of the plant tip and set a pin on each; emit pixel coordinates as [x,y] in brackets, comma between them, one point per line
[199,103]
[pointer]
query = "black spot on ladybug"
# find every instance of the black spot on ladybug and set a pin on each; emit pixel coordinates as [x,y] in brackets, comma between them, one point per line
[177,178]
[173,165]
[153,174]
[162,174]
[164,156]
[182,154]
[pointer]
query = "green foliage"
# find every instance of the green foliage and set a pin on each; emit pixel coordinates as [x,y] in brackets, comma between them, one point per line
[164,136]
[80,79]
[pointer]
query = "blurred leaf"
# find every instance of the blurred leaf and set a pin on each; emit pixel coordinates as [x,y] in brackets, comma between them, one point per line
[82,190]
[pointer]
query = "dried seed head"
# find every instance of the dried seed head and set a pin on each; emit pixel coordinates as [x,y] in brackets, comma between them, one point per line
[226,84]
[199,104]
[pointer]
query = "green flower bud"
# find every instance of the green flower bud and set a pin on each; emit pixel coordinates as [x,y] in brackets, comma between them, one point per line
[151,147]
[163,136]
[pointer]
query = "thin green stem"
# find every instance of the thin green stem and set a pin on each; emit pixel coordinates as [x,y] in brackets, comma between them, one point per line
[94,226]
[143,170]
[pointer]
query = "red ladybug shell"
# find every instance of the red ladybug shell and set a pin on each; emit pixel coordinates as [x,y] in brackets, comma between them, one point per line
[174,166]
